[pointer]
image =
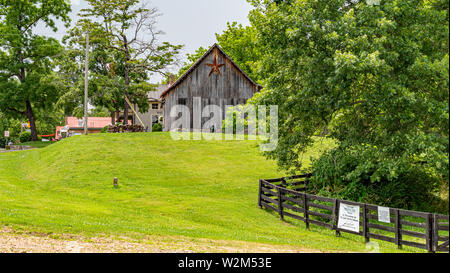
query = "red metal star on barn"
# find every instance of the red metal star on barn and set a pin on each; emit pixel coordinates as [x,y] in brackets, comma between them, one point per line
[215,67]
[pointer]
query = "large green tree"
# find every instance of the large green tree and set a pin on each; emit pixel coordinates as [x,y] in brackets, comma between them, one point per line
[26,58]
[106,81]
[128,28]
[372,77]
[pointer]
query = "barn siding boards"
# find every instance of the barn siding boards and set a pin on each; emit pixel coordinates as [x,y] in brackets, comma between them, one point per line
[231,87]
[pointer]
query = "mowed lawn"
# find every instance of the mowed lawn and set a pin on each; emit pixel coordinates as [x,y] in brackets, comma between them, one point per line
[199,189]
[37,144]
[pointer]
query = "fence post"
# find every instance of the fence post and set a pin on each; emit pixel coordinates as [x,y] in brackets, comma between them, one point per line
[365,224]
[398,227]
[283,182]
[429,231]
[435,232]
[305,206]
[336,216]
[333,219]
[280,203]
[260,193]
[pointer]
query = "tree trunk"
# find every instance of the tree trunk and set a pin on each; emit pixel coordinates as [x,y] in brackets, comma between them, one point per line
[125,112]
[29,111]
[31,119]
[113,118]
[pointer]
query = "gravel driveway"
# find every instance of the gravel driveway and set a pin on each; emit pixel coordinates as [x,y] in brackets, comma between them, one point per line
[20,242]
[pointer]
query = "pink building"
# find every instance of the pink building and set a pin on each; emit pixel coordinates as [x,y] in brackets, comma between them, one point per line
[75,126]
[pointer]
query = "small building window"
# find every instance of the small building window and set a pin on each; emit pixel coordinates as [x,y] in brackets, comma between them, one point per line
[155,106]
[182,101]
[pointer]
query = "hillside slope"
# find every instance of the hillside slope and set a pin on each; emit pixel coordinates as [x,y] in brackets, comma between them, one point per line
[200,189]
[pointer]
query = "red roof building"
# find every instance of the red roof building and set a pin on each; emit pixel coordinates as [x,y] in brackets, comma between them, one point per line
[93,122]
[75,126]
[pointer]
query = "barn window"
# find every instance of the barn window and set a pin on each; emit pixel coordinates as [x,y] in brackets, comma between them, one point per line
[182,101]
[155,106]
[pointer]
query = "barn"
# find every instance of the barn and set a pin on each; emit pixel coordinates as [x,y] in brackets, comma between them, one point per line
[213,80]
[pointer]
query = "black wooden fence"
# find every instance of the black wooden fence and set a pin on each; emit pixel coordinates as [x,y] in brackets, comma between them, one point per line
[288,197]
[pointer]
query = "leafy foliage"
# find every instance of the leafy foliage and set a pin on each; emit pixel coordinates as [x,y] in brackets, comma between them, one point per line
[157,127]
[372,77]
[128,44]
[3,142]
[9,124]
[191,59]
[106,80]
[25,137]
[27,59]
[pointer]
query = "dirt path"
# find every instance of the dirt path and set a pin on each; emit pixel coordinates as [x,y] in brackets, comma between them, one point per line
[19,242]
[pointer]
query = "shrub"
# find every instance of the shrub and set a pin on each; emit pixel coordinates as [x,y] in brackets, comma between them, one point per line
[25,137]
[3,142]
[105,130]
[352,175]
[157,127]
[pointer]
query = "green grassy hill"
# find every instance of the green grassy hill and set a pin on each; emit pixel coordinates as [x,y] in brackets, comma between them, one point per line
[201,189]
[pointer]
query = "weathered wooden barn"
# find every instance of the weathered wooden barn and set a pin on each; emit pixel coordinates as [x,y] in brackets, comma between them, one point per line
[214,78]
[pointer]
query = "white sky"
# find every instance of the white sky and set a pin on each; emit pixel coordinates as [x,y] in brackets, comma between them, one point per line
[192,23]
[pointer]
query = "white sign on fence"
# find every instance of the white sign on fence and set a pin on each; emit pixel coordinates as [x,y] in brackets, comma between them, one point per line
[384,215]
[6,133]
[349,217]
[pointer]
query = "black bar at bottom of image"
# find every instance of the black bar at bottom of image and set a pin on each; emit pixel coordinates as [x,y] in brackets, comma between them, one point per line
[194,262]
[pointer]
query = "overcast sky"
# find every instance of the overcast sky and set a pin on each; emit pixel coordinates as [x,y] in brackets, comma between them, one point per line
[192,23]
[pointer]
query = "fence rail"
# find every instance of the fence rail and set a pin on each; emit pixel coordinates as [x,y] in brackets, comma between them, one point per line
[287,196]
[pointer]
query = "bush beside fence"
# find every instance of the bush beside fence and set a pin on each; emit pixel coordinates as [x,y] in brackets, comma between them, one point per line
[287,196]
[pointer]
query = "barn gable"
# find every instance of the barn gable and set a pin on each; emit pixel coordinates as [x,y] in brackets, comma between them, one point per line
[214,78]
[215,50]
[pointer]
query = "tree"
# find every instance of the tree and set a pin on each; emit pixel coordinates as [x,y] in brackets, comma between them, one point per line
[26,59]
[372,77]
[129,28]
[191,60]
[8,124]
[106,85]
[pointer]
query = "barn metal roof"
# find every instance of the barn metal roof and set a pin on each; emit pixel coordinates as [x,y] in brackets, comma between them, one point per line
[177,82]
